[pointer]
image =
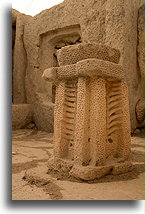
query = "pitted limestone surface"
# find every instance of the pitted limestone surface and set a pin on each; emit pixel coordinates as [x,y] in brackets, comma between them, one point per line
[72,54]
[36,41]
[88,67]
[91,123]
[114,117]
[67,72]
[100,68]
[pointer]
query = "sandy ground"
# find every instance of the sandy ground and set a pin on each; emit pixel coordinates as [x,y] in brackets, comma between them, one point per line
[30,181]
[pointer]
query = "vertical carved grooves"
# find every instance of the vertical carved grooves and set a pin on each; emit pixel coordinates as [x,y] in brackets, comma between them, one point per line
[69,111]
[114,109]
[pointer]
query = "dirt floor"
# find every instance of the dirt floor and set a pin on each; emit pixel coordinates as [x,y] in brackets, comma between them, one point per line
[31,150]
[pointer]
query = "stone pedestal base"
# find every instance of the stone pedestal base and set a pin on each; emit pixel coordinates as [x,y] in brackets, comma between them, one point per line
[89,172]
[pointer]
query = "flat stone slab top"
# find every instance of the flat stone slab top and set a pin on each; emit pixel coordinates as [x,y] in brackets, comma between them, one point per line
[73,54]
[85,68]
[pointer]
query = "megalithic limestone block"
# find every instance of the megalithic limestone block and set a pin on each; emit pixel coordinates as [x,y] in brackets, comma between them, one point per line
[98,121]
[91,119]
[81,139]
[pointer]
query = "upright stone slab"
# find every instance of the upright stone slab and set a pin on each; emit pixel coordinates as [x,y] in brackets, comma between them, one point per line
[91,119]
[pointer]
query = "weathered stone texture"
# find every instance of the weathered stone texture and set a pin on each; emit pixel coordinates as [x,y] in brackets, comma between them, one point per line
[21,115]
[140,54]
[19,61]
[91,116]
[121,33]
[43,116]
[115,23]
[140,111]
[140,40]
[15,13]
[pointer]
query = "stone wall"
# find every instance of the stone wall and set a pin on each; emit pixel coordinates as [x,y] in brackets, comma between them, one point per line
[122,33]
[140,40]
[19,57]
[114,23]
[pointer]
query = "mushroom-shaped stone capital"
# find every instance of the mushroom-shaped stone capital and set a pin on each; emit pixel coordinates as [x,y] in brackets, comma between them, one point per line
[50,74]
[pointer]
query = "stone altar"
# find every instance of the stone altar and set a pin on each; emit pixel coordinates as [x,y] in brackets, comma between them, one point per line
[91,115]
